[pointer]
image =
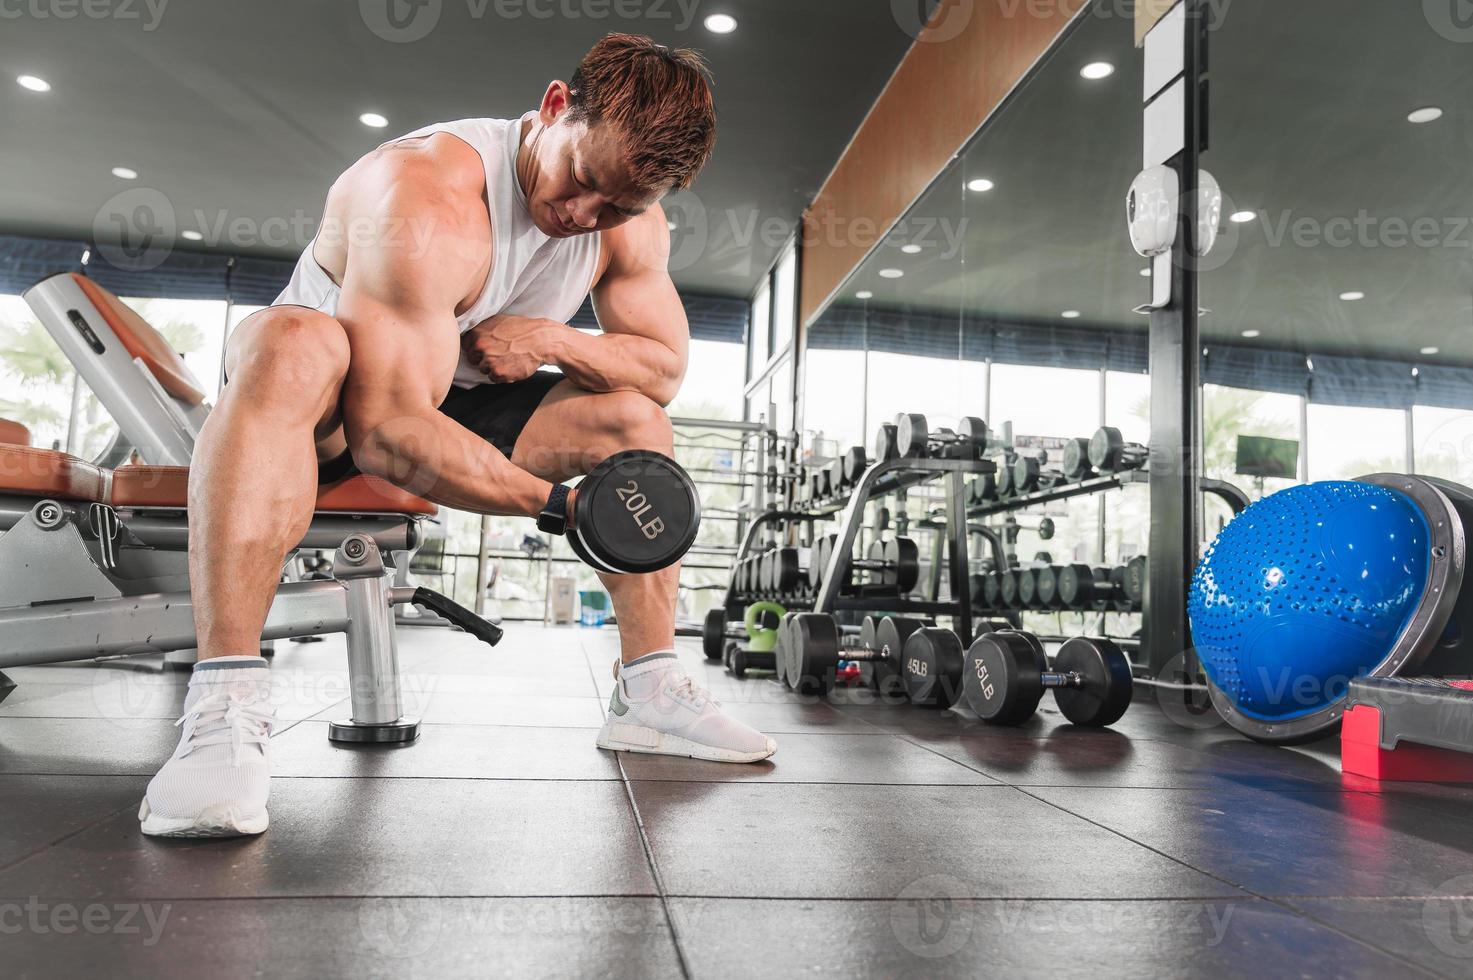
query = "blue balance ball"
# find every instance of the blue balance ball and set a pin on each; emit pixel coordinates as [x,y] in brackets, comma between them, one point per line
[1304,590]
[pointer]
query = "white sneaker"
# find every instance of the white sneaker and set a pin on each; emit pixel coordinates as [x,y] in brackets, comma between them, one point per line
[657,708]
[217,781]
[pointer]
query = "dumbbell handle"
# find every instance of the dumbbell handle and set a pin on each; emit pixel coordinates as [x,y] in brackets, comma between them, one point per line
[864,654]
[1052,679]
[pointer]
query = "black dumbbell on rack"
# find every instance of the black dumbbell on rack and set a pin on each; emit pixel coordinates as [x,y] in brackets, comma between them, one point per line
[914,440]
[1029,474]
[1134,581]
[927,659]
[854,462]
[1006,673]
[1076,461]
[982,490]
[1082,588]
[1110,453]
[896,561]
[885,442]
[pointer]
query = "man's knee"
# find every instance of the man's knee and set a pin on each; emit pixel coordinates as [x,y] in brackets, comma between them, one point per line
[634,421]
[289,349]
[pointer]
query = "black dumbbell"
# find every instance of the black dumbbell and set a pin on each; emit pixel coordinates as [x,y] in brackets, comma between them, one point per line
[713,632]
[1029,474]
[1028,588]
[1136,573]
[913,439]
[885,447]
[1110,453]
[1046,587]
[1008,589]
[928,659]
[1081,587]
[1076,461]
[1007,489]
[881,522]
[855,461]
[1007,672]
[981,490]
[897,561]
[635,512]
[992,591]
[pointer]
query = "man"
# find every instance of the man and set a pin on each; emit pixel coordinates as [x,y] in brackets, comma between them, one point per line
[448,259]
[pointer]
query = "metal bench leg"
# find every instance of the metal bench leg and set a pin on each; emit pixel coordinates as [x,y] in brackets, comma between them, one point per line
[373,656]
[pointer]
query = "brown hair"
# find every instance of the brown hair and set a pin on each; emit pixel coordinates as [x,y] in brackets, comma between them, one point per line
[658,98]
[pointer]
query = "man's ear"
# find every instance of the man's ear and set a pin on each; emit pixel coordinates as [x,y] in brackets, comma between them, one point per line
[554,102]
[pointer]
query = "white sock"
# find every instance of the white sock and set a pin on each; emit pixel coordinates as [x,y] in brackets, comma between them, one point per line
[642,677]
[225,670]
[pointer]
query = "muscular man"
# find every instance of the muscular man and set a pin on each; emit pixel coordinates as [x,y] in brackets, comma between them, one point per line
[408,346]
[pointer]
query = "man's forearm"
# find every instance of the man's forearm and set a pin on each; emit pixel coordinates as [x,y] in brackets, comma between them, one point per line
[616,362]
[432,455]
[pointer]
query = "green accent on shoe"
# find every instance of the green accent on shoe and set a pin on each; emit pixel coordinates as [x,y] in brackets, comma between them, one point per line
[616,703]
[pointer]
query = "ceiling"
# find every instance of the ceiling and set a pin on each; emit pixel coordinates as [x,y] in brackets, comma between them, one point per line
[1308,124]
[240,114]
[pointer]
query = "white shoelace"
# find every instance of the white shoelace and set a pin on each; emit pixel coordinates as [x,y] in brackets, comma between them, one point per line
[688,690]
[221,718]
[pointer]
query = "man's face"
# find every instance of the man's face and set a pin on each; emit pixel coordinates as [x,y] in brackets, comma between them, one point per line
[579,181]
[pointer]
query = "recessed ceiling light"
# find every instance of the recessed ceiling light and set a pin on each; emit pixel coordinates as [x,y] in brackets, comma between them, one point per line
[911,249]
[1243,217]
[1352,296]
[720,23]
[1429,351]
[981,185]
[891,273]
[1250,334]
[125,173]
[1146,272]
[373,119]
[1426,114]
[1096,70]
[33,83]
[1070,314]
[864,294]
[191,235]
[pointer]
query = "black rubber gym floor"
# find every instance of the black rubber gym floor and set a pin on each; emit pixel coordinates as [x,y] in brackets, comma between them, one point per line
[880,841]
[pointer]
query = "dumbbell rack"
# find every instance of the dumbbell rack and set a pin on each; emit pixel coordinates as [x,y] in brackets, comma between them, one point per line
[880,479]
[1236,499]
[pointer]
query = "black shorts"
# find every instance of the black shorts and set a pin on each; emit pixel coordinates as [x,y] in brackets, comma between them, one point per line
[497,413]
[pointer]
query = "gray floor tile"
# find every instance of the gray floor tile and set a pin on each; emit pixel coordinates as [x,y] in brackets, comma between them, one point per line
[39,810]
[931,932]
[839,841]
[447,752]
[1322,843]
[388,938]
[118,746]
[356,837]
[1431,931]
[1070,756]
[806,758]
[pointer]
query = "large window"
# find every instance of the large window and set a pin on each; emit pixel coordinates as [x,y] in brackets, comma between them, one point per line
[1345,443]
[1047,402]
[1443,443]
[759,339]
[785,299]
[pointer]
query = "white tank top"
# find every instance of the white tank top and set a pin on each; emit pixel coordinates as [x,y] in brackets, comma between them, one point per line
[531,274]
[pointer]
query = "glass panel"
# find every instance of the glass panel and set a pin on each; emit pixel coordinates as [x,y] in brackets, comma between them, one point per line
[784,307]
[1052,403]
[194,328]
[782,396]
[1235,424]
[713,382]
[1128,405]
[1443,438]
[758,341]
[1345,443]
